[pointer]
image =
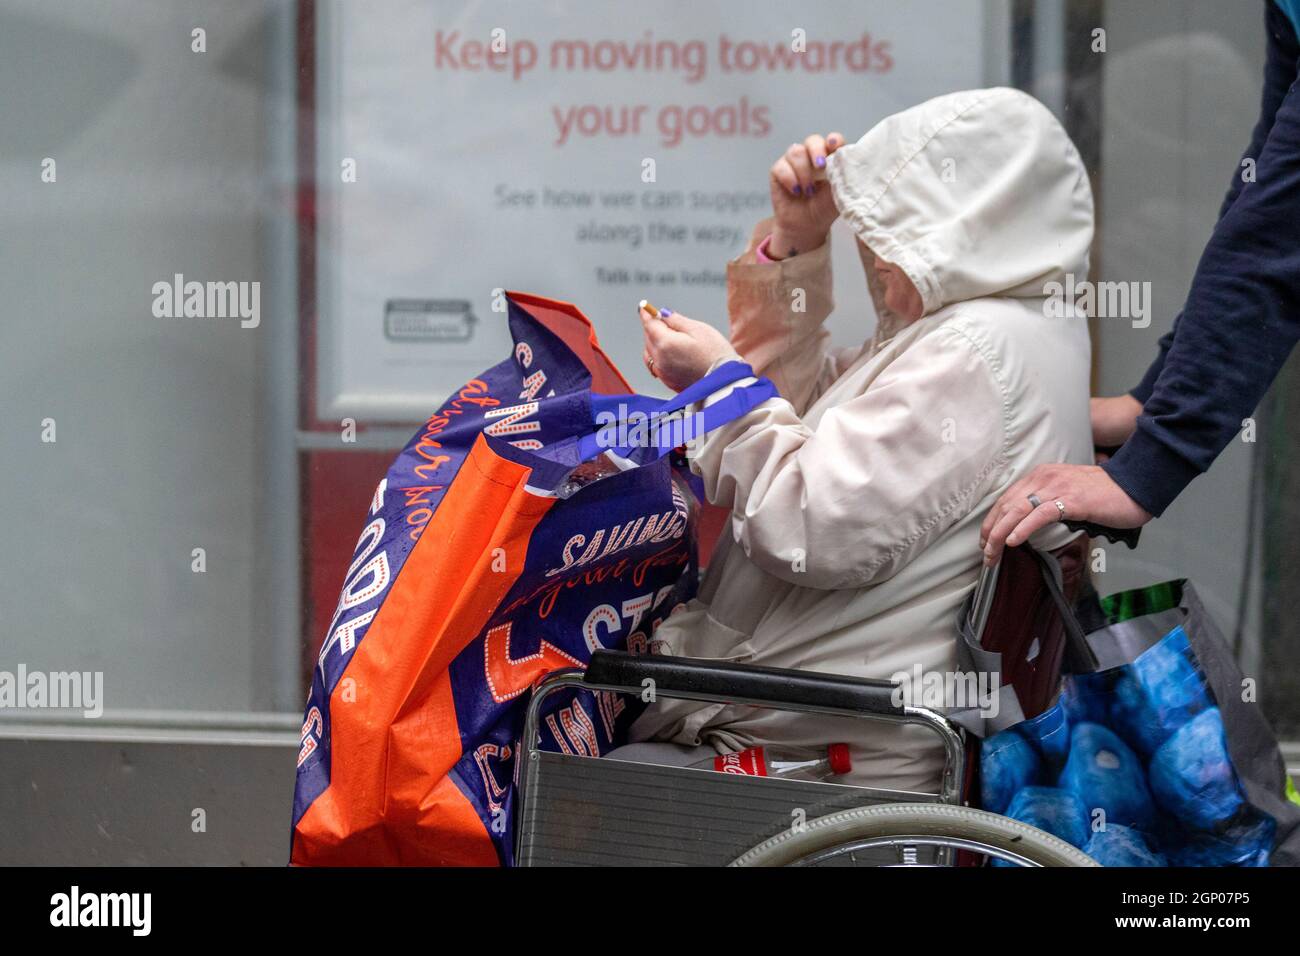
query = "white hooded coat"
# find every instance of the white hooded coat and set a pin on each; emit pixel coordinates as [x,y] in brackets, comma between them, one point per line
[856,498]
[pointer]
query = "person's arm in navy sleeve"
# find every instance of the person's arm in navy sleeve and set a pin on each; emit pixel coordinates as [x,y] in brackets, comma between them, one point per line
[1280,68]
[1239,324]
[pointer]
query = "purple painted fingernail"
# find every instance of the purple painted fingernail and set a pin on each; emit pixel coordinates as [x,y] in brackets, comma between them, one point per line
[812,189]
[821,162]
[664,313]
[798,190]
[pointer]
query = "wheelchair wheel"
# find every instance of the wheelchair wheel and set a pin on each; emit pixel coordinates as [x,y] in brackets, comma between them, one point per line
[905,826]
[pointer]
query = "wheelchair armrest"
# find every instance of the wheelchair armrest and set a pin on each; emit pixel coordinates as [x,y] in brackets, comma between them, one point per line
[701,679]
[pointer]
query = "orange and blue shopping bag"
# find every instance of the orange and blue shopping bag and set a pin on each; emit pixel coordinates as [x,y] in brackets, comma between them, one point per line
[538,515]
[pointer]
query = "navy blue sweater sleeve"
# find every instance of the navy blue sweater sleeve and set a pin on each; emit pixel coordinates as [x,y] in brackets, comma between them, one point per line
[1241,318]
[1279,73]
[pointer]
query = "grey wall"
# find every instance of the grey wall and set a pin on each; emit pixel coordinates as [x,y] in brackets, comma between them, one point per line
[160,448]
[137,803]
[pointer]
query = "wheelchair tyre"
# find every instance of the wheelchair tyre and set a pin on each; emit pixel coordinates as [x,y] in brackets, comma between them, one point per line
[936,824]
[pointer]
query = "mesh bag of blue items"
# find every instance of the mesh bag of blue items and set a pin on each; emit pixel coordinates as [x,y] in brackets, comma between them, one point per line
[1158,754]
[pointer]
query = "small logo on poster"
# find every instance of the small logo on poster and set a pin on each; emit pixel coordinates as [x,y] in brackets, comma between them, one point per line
[429,320]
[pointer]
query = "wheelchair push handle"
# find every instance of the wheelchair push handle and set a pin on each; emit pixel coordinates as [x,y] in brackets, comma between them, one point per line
[698,679]
[1127,536]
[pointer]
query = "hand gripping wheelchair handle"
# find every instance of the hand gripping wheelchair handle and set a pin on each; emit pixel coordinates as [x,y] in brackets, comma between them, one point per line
[695,678]
[1128,536]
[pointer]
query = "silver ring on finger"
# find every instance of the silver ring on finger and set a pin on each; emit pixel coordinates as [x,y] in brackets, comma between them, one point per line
[1035,500]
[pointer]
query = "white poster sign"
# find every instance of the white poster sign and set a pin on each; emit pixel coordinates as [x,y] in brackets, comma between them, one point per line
[599,153]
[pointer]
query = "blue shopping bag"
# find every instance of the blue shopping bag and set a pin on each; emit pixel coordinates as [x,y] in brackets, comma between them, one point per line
[1154,758]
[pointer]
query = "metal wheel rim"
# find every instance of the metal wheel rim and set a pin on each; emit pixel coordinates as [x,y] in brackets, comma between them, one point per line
[913,821]
[953,843]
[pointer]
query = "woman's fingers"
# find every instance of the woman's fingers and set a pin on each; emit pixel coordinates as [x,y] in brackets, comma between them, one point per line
[1014,517]
[652,329]
[1013,494]
[653,353]
[1018,527]
[815,147]
[1010,519]
[784,174]
[798,166]
[799,160]
[1014,508]
[663,325]
[663,334]
[678,322]
[1086,493]
[1040,517]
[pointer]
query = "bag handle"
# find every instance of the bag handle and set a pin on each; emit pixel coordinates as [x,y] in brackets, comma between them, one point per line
[1080,657]
[663,413]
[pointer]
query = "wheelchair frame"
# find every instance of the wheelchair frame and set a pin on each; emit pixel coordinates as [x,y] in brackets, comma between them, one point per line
[718,682]
[934,821]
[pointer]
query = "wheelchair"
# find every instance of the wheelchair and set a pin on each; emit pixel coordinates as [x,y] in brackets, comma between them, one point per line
[576,810]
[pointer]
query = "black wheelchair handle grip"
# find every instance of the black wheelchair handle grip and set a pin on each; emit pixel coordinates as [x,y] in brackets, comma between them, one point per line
[1128,536]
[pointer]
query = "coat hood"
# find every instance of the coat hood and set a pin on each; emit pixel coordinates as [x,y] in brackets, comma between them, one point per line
[972,194]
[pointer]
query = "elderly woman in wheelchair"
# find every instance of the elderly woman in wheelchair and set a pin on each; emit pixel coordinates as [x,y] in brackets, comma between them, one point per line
[856,497]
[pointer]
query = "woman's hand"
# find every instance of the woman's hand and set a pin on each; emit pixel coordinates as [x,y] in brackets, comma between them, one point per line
[1086,493]
[804,210]
[678,350]
[1113,421]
